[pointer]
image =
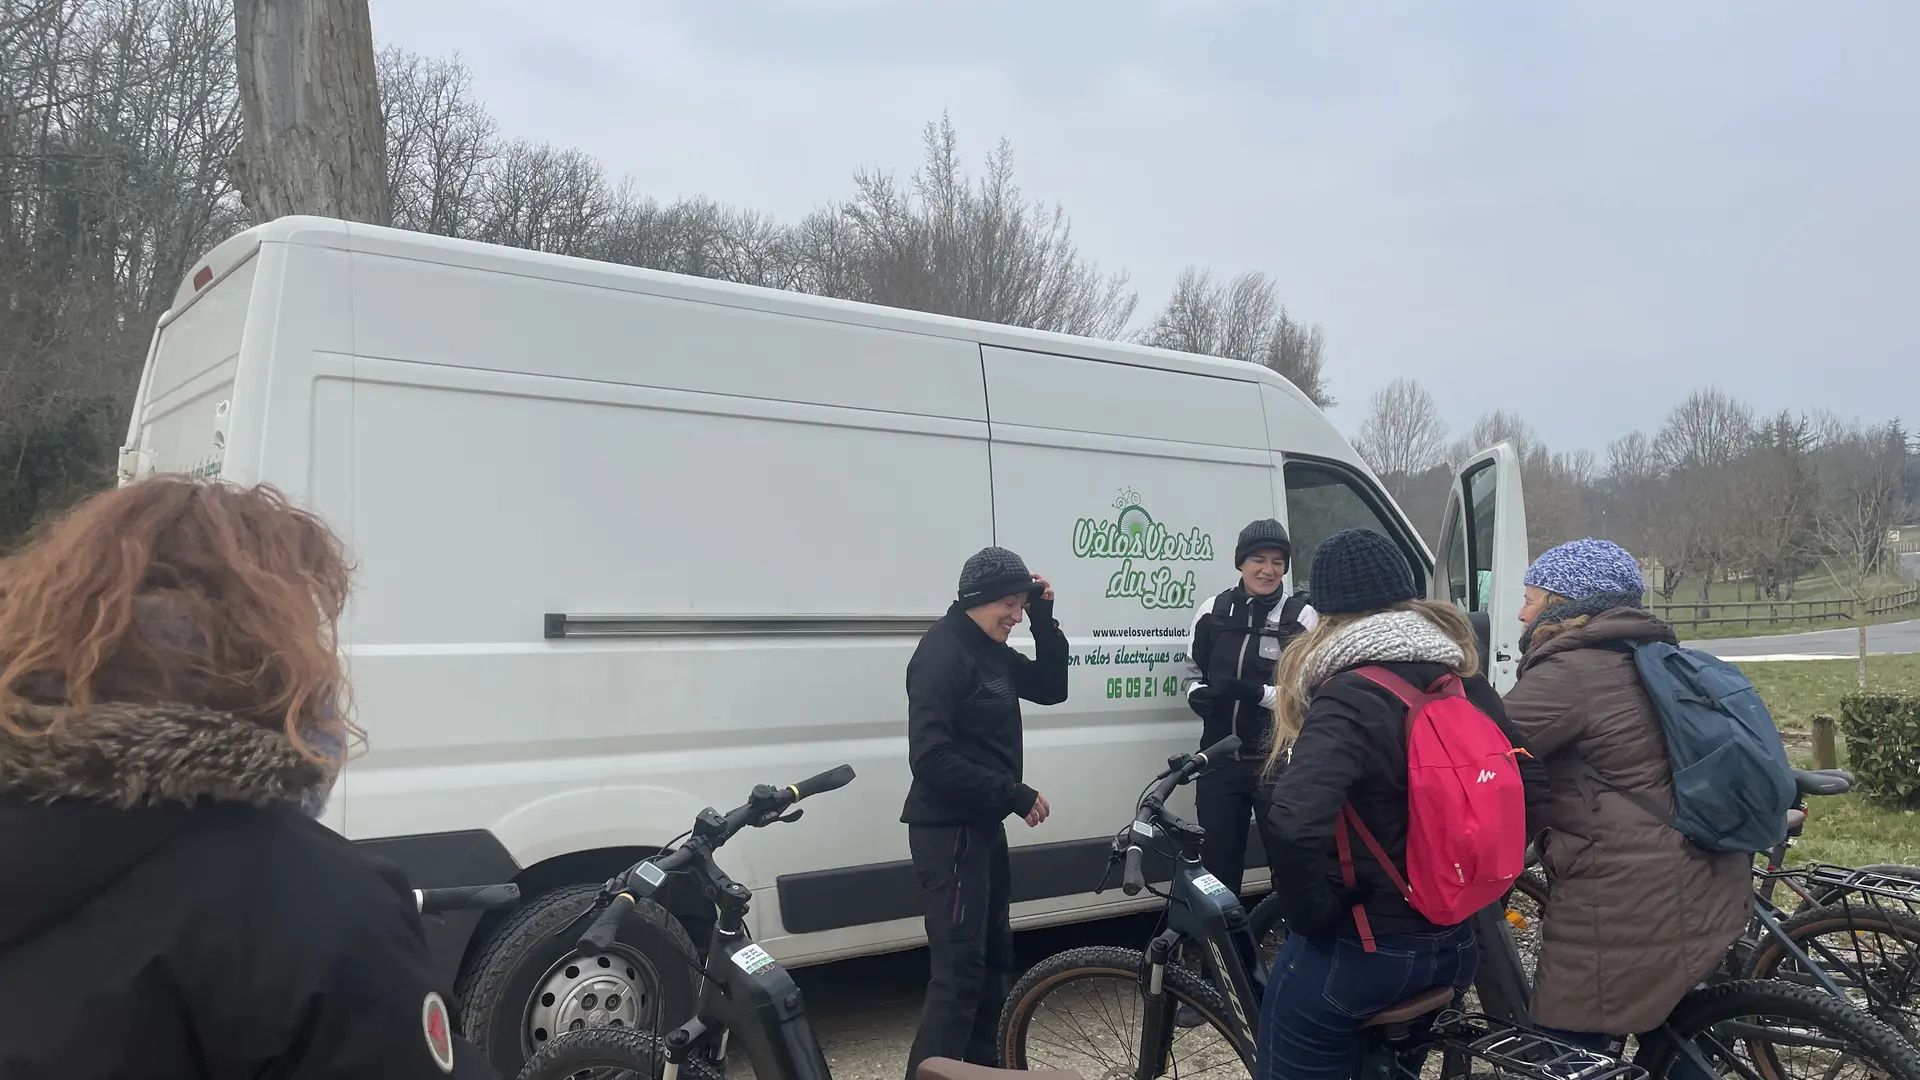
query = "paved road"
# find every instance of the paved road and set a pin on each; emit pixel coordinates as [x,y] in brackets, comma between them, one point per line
[1900,637]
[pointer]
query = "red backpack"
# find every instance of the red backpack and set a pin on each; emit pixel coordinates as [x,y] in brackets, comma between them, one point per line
[1466,808]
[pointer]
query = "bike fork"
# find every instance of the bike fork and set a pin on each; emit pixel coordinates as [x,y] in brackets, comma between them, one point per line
[1157,1022]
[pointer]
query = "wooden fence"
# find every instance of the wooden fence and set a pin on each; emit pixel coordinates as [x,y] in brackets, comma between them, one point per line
[1763,613]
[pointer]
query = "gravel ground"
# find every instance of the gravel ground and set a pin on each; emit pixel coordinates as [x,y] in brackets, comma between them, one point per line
[865,1011]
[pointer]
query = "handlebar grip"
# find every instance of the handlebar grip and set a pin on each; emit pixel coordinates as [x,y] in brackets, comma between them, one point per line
[1134,879]
[599,937]
[831,780]
[466,898]
[1224,748]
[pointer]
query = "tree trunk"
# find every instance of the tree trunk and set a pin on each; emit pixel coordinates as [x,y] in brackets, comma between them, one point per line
[313,140]
[1860,619]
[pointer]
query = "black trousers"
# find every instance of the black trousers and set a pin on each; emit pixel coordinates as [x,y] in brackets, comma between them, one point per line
[1227,799]
[965,880]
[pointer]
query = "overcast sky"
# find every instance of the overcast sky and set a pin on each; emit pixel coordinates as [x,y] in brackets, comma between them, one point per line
[1578,210]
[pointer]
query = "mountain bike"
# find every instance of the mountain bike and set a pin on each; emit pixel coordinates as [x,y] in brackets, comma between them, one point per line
[1136,996]
[1854,929]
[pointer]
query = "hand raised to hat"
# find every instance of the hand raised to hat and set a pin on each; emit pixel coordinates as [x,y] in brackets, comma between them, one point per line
[1041,609]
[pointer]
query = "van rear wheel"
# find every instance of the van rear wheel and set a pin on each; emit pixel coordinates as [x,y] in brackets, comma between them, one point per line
[528,983]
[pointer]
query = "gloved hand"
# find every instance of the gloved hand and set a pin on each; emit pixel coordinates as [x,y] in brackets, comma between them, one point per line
[1040,610]
[1251,691]
[1203,700]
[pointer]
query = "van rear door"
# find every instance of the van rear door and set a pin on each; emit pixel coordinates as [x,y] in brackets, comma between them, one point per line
[181,412]
[1483,555]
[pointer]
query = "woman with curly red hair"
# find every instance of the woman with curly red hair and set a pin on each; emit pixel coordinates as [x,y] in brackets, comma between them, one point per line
[172,715]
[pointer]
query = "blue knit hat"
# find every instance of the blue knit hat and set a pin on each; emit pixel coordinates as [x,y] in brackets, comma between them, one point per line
[1359,570]
[1583,568]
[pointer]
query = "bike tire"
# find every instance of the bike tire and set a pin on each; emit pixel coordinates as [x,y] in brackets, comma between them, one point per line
[1700,1012]
[1264,922]
[1120,965]
[1903,1015]
[629,1054]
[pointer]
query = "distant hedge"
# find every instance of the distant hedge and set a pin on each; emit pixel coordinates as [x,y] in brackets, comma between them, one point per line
[1883,743]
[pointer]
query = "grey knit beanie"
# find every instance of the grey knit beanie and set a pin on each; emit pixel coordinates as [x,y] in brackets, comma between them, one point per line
[993,573]
[1261,535]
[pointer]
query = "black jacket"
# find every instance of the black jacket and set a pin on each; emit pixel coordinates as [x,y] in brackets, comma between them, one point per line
[963,718]
[1229,633]
[1353,748]
[166,912]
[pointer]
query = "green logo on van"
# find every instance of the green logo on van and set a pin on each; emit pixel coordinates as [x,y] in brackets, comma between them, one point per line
[1132,534]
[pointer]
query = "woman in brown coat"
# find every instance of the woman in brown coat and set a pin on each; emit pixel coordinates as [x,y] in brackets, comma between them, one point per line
[1636,915]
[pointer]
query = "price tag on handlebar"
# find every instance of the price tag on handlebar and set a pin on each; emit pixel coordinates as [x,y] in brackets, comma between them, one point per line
[1210,885]
[753,959]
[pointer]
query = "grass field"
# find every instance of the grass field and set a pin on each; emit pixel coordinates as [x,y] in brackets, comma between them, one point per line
[1851,830]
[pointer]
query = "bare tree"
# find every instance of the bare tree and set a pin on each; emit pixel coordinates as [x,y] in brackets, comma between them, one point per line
[1862,475]
[1298,353]
[1775,493]
[1241,319]
[978,250]
[311,97]
[1403,434]
[440,140]
[117,122]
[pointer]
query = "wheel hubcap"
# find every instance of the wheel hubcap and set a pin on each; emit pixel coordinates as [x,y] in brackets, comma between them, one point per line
[603,990]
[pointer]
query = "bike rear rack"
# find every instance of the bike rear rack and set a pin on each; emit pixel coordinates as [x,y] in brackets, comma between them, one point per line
[1521,1053]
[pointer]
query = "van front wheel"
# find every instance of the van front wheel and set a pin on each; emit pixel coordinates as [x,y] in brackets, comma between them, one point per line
[527,984]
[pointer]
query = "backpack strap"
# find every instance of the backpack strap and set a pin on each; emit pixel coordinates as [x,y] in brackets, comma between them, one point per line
[1447,686]
[1291,609]
[1592,778]
[1349,878]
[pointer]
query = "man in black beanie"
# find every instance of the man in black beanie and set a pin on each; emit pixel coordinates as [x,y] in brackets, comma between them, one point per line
[964,743]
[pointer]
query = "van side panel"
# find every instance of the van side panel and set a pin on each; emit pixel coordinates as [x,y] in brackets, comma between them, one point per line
[465,317]
[1133,531]
[484,501]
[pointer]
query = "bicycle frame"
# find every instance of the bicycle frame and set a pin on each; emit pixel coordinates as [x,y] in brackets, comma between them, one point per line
[744,992]
[1202,911]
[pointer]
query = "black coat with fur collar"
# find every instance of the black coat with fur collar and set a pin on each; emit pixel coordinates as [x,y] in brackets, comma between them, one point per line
[166,910]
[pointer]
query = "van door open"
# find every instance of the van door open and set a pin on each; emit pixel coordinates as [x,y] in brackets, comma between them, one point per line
[1483,556]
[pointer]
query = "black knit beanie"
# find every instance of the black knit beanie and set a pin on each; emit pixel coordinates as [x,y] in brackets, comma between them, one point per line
[1359,570]
[1261,535]
[993,573]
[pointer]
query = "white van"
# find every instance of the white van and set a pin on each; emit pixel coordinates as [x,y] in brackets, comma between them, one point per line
[630,543]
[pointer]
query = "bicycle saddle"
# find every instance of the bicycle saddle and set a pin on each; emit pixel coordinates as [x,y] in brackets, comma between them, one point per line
[949,1069]
[1823,781]
[1409,1010]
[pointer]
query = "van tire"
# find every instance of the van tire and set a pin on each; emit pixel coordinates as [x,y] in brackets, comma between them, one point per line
[523,958]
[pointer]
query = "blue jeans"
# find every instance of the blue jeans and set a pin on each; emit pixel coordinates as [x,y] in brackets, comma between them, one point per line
[1322,989]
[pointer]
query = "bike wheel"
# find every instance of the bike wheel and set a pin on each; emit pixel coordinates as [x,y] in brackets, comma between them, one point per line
[1085,1010]
[1777,1031]
[1875,958]
[608,1054]
[1268,928]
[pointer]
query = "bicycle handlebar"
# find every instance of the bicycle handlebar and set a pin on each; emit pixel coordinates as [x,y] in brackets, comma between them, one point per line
[1180,770]
[711,831]
[466,898]
[831,780]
